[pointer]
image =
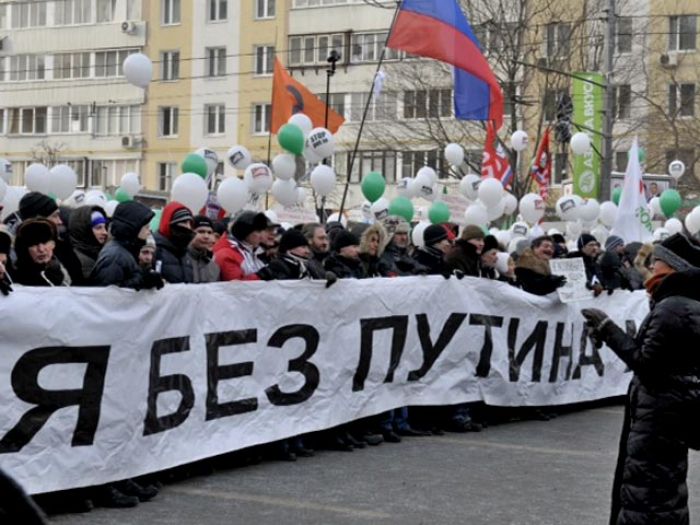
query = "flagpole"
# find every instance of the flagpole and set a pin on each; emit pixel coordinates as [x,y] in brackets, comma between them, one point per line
[366,111]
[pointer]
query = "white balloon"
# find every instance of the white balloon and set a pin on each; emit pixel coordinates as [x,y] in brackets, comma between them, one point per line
[519,140]
[581,143]
[232,194]
[692,221]
[503,237]
[380,208]
[334,217]
[490,192]
[63,181]
[600,233]
[510,204]
[553,231]
[660,234]
[301,120]
[323,180]
[191,190]
[210,157]
[469,186]
[10,204]
[427,171]
[454,153]
[301,196]
[536,231]
[76,199]
[258,177]
[130,183]
[520,229]
[590,210]
[366,210]
[284,165]
[311,156]
[6,170]
[109,207]
[673,226]
[239,157]
[138,70]
[495,211]
[608,213]
[676,169]
[406,187]
[285,192]
[3,189]
[532,208]
[272,216]
[321,142]
[95,198]
[37,178]
[417,234]
[568,208]
[573,229]
[476,214]
[655,206]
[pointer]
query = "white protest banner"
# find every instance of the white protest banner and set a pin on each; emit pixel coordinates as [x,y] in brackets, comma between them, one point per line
[102,384]
[575,272]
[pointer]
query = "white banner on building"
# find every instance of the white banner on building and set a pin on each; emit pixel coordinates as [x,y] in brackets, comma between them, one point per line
[98,385]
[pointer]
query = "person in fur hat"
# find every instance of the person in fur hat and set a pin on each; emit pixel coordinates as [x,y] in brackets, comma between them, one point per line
[532,269]
[372,244]
[37,265]
[397,256]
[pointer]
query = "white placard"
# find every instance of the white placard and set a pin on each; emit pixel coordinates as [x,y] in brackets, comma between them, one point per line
[575,272]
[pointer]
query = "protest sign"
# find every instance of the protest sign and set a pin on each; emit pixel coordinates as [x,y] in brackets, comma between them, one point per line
[575,272]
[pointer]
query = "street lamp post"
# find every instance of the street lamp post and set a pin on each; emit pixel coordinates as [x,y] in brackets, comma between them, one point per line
[333,58]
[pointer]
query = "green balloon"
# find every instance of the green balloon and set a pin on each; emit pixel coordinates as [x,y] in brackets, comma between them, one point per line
[155,221]
[642,155]
[670,202]
[616,194]
[122,196]
[373,186]
[402,207]
[193,163]
[439,213]
[291,138]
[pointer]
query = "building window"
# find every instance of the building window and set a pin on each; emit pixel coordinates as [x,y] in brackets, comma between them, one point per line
[264,60]
[2,121]
[216,61]
[26,67]
[69,119]
[105,10]
[70,12]
[215,119]
[264,8]
[169,65]
[551,103]
[337,102]
[262,115]
[109,63]
[383,108]
[218,10]
[133,9]
[168,121]
[27,121]
[3,16]
[71,65]
[621,161]
[29,13]
[367,47]
[368,161]
[624,34]
[682,32]
[623,101]
[435,103]
[681,100]
[171,12]
[117,120]
[558,39]
[166,172]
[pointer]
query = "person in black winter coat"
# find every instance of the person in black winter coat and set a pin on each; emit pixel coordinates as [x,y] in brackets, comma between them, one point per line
[6,268]
[430,258]
[372,245]
[467,251]
[117,263]
[663,403]
[532,269]
[344,261]
[87,229]
[612,274]
[396,255]
[37,264]
[316,234]
[291,262]
[172,239]
[589,250]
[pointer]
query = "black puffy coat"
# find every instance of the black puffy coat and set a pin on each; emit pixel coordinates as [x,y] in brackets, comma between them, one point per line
[345,268]
[286,267]
[464,258]
[400,261]
[663,404]
[430,261]
[176,265]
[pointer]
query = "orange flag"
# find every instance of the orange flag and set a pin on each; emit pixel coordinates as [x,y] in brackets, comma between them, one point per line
[290,97]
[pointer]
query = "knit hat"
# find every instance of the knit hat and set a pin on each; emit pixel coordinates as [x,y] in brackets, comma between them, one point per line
[679,252]
[343,239]
[292,239]
[558,238]
[203,221]
[97,218]
[180,216]
[5,242]
[248,222]
[613,242]
[585,239]
[395,224]
[35,204]
[33,232]
[490,243]
[433,234]
[472,232]
[150,243]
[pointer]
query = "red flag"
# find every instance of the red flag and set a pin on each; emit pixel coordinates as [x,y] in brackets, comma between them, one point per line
[542,166]
[290,96]
[495,162]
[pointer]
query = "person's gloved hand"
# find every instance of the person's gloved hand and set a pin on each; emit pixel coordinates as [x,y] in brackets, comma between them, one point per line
[265,274]
[331,279]
[597,289]
[152,279]
[596,320]
[459,274]
[560,281]
[5,287]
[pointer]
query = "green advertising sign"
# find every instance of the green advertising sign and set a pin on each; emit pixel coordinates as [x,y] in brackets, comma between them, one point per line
[588,98]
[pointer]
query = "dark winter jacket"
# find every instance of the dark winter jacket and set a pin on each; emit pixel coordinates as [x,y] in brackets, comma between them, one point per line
[204,269]
[85,245]
[534,275]
[315,265]
[287,267]
[612,275]
[117,263]
[663,405]
[29,273]
[464,258]
[171,248]
[399,260]
[345,268]
[430,261]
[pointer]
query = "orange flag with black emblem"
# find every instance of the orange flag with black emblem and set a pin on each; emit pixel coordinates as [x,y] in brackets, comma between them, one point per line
[290,96]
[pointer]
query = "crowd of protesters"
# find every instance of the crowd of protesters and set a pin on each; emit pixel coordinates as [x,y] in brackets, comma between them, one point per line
[42,245]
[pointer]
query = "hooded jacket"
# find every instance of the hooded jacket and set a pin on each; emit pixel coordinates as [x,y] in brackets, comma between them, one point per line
[661,420]
[117,263]
[375,265]
[534,274]
[171,248]
[82,238]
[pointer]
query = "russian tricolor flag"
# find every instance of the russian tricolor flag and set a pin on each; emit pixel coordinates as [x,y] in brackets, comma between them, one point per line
[438,29]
